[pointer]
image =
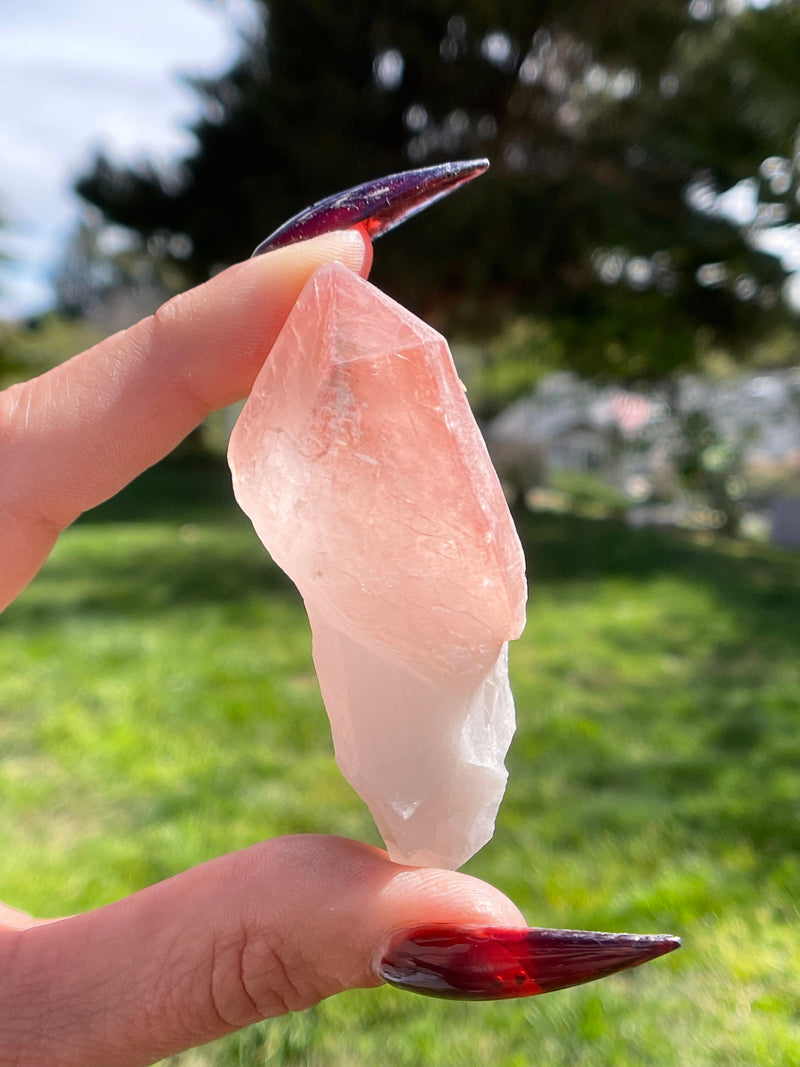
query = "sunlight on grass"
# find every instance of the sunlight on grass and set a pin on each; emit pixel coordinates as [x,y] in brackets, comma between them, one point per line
[158,706]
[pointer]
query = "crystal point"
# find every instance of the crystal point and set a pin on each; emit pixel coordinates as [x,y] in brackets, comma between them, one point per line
[361,467]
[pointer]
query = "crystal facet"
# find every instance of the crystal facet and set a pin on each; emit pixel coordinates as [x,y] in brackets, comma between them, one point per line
[361,467]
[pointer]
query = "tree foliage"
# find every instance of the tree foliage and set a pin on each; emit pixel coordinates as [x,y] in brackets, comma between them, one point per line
[612,129]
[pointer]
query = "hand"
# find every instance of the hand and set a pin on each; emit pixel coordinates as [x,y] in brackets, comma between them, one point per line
[250,935]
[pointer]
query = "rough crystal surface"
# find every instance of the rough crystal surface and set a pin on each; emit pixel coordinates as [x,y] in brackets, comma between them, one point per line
[361,467]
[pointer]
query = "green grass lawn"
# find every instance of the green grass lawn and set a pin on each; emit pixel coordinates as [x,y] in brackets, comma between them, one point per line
[158,706]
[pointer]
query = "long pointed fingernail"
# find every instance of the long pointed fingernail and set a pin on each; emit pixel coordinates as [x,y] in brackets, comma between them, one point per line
[377,206]
[496,963]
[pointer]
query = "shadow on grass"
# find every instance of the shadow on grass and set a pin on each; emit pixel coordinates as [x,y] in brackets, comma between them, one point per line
[559,548]
[203,551]
[215,557]
[179,489]
[154,579]
[568,548]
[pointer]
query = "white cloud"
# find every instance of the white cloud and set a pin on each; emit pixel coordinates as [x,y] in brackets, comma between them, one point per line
[79,76]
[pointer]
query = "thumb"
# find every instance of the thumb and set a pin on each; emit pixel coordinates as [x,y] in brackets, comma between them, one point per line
[254,934]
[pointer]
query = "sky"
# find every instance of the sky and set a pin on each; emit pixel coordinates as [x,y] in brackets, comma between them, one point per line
[81,75]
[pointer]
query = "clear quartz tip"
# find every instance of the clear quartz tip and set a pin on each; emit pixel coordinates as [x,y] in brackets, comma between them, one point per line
[376,206]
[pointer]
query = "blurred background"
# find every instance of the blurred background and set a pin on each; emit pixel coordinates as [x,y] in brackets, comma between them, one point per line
[638,228]
[622,295]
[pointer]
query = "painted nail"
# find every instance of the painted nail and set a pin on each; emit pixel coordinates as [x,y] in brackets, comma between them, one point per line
[377,206]
[498,963]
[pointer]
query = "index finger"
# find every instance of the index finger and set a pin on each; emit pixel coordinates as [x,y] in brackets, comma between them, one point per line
[76,435]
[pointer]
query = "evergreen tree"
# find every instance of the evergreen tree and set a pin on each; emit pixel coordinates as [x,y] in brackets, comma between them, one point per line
[612,130]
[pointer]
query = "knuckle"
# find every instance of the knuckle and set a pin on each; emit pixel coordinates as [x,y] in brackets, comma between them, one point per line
[254,977]
[271,971]
[167,337]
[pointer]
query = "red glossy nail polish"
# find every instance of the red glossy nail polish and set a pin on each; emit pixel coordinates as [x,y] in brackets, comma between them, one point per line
[498,963]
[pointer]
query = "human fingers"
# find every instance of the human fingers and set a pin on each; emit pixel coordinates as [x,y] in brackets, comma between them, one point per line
[71,438]
[14,919]
[274,928]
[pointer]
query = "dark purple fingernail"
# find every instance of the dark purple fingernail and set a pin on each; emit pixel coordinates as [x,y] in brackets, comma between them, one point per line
[499,963]
[376,206]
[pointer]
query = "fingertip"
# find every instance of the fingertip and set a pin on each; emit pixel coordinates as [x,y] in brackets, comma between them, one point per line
[352,248]
[436,895]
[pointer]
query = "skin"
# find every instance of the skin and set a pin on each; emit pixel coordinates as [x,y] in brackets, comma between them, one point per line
[250,935]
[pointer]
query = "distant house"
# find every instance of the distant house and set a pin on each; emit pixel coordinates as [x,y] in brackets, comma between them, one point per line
[577,444]
[634,440]
[568,425]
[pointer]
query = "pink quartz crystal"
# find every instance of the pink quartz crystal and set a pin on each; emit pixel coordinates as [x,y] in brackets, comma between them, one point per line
[361,467]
